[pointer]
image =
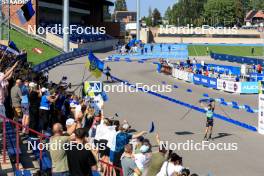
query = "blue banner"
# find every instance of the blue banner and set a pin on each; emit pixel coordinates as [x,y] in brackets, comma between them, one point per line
[61,58]
[205,81]
[249,87]
[238,59]
[222,68]
[256,77]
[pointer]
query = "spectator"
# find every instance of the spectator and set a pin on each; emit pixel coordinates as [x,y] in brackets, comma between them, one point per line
[185,172]
[80,162]
[142,158]
[157,159]
[45,103]
[128,164]
[188,62]
[4,77]
[172,166]
[259,68]
[16,96]
[57,154]
[25,105]
[122,139]
[151,47]
[34,101]
[146,50]
[194,61]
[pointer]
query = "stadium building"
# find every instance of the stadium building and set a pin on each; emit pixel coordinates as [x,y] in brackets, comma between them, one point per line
[90,14]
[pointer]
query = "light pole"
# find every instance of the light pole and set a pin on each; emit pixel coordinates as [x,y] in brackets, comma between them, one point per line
[65,25]
[138,19]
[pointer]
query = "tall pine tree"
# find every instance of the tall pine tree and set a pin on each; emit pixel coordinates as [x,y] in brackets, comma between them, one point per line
[120,5]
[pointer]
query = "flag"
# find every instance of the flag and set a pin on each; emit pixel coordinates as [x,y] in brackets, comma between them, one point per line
[13,46]
[152,127]
[25,13]
[95,65]
[104,96]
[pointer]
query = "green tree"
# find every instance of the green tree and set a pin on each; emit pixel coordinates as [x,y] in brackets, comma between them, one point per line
[156,17]
[120,5]
[167,15]
[224,12]
[186,12]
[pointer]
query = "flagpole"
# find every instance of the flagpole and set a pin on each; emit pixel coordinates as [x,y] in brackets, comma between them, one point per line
[1,23]
[8,33]
[66,25]
[138,19]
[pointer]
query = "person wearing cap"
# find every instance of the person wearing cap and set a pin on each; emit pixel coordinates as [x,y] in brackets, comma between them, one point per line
[141,158]
[45,103]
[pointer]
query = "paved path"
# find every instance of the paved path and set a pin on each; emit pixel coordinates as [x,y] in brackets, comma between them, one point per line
[141,108]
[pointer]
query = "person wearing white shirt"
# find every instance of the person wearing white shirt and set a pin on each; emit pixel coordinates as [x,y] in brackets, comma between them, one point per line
[172,166]
[141,158]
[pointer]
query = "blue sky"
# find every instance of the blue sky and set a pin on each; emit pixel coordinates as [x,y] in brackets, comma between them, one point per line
[161,5]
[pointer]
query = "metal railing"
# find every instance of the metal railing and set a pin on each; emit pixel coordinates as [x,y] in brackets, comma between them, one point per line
[18,126]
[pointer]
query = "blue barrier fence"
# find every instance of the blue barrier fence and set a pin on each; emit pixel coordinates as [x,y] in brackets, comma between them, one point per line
[60,59]
[205,81]
[238,59]
[222,68]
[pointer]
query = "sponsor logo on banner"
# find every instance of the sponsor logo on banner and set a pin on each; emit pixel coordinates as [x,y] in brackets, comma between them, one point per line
[249,87]
[183,75]
[229,86]
[205,81]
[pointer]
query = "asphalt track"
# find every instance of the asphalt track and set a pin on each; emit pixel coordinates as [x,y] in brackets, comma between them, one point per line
[141,108]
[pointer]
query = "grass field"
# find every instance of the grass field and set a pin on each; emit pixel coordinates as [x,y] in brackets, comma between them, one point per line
[28,44]
[198,50]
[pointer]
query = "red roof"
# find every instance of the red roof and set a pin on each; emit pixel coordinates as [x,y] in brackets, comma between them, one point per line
[259,14]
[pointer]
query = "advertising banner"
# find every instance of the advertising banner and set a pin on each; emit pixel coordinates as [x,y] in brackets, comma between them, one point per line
[205,81]
[183,75]
[229,86]
[222,68]
[249,87]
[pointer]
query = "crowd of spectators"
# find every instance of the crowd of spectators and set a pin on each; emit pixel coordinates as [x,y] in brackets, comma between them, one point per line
[203,69]
[66,118]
